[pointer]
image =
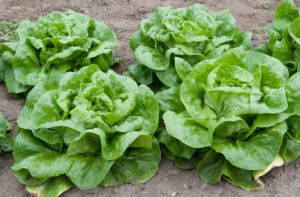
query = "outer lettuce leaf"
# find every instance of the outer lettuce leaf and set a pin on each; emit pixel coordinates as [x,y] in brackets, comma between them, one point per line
[171,41]
[213,166]
[6,141]
[136,167]
[58,42]
[265,145]
[176,147]
[187,130]
[240,110]
[181,162]
[169,100]
[52,187]
[89,128]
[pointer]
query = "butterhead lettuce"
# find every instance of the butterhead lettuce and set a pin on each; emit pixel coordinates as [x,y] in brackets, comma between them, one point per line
[84,129]
[58,42]
[237,115]
[171,41]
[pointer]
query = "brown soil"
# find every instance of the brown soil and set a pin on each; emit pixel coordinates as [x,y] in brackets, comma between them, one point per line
[124,16]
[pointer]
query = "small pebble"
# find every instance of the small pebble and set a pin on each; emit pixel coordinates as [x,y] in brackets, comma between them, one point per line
[173,194]
[185,186]
[173,172]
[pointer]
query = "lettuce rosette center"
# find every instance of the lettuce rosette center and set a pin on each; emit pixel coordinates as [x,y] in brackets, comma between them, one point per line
[89,128]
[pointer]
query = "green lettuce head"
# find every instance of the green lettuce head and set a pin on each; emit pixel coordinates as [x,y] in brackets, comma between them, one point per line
[58,42]
[236,116]
[86,128]
[171,41]
[284,36]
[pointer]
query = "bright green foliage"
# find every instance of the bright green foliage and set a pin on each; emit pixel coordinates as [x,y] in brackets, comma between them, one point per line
[86,128]
[235,114]
[6,141]
[58,42]
[171,41]
[228,112]
[284,36]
